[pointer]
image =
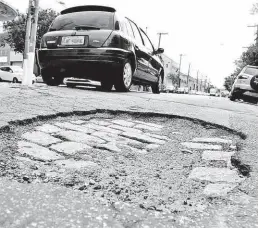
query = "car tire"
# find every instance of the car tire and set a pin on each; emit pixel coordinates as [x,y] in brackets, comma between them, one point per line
[254,82]
[124,78]
[15,80]
[50,79]
[157,86]
[69,85]
[106,85]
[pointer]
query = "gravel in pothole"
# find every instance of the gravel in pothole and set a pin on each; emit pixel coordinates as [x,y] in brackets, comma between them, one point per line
[152,177]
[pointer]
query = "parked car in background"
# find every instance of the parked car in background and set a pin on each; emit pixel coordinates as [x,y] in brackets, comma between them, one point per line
[99,44]
[245,86]
[170,89]
[224,93]
[183,90]
[214,92]
[12,74]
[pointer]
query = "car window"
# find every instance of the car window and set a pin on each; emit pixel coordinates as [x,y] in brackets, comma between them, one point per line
[136,33]
[146,41]
[3,68]
[129,28]
[8,69]
[98,19]
[251,71]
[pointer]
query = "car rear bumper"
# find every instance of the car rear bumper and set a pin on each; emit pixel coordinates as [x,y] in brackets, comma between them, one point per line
[82,60]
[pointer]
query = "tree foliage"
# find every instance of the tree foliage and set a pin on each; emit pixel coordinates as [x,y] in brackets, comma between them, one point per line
[16,29]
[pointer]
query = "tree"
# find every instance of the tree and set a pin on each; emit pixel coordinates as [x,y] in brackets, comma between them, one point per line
[174,78]
[229,81]
[16,29]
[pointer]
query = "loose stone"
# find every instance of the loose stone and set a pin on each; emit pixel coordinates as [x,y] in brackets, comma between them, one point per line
[214,190]
[74,127]
[70,147]
[215,175]
[201,146]
[80,137]
[212,140]
[41,138]
[48,128]
[37,152]
[217,155]
[143,138]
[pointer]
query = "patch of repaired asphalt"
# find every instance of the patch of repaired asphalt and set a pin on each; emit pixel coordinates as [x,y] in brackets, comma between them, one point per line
[156,180]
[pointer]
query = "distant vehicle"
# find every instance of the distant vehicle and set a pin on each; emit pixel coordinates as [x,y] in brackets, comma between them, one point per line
[12,74]
[183,90]
[245,86]
[170,89]
[224,93]
[99,44]
[214,92]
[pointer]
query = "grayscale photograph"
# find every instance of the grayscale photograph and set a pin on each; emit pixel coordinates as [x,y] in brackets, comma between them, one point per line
[128,114]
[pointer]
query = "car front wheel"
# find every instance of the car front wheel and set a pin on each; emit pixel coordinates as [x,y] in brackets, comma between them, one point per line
[157,87]
[124,80]
[15,80]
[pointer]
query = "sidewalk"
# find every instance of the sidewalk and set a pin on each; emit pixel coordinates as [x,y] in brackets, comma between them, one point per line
[24,204]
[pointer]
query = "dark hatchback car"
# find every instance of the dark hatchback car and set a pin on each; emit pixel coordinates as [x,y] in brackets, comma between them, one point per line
[97,43]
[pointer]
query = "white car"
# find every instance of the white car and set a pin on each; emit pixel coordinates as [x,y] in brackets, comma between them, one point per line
[12,74]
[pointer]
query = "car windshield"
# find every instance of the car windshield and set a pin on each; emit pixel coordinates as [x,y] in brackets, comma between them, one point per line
[88,19]
[251,71]
[17,69]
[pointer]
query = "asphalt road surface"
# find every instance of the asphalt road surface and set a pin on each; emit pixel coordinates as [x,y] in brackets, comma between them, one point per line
[224,134]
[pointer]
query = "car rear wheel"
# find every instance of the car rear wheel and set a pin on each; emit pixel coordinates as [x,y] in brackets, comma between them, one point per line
[50,79]
[15,80]
[124,79]
[157,87]
[254,82]
[106,85]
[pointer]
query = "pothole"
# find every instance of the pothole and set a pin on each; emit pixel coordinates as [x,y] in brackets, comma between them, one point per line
[157,163]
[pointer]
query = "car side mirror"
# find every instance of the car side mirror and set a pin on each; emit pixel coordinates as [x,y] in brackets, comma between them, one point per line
[158,51]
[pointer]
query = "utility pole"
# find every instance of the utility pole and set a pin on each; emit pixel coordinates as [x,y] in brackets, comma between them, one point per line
[161,34]
[188,75]
[27,45]
[255,26]
[180,62]
[197,87]
[30,44]
[146,30]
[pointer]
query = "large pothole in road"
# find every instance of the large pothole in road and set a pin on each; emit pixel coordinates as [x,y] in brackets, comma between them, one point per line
[157,163]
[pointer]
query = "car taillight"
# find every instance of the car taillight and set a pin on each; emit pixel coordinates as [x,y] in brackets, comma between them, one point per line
[113,41]
[49,41]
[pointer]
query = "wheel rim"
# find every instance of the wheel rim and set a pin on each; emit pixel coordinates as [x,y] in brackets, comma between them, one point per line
[127,76]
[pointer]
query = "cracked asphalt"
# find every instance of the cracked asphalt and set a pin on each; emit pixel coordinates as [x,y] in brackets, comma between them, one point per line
[22,107]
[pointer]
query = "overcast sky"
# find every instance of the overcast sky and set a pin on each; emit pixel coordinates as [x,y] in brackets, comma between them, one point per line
[210,33]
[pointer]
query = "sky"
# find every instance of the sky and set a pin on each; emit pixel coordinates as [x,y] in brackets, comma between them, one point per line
[211,34]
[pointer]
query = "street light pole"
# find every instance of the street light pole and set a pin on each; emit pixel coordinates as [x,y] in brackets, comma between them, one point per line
[188,75]
[180,62]
[161,34]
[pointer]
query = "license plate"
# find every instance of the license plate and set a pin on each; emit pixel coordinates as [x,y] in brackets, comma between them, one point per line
[73,40]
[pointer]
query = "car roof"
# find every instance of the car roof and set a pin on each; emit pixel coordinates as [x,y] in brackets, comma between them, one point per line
[88,8]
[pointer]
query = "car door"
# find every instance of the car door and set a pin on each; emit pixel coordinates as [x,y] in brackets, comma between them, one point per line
[142,57]
[154,63]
